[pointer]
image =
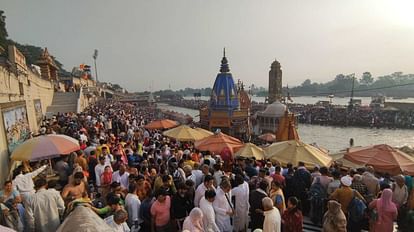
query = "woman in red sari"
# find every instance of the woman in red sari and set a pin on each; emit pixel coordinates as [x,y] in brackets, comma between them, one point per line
[292,219]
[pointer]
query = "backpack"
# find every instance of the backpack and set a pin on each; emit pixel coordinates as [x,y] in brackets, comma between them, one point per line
[317,197]
[356,209]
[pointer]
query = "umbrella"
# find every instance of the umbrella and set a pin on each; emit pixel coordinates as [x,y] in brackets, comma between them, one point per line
[45,147]
[293,151]
[161,124]
[205,132]
[217,142]
[184,133]
[250,150]
[268,137]
[383,158]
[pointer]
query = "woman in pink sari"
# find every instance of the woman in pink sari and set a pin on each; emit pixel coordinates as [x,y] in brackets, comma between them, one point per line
[194,222]
[386,213]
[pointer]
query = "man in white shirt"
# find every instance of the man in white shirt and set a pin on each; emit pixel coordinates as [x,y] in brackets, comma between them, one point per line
[240,194]
[223,206]
[201,189]
[44,209]
[118,221]
[132,205]
[209,216]
[99,169]
[121,176]
[273,220]
[23,182]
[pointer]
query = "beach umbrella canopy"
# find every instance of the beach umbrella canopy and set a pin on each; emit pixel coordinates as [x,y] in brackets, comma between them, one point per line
[205,132]
[184,133]
[383,158]
[217,142]
[251,150]
[293,151]
[161,124]
[268,137]
[45,147]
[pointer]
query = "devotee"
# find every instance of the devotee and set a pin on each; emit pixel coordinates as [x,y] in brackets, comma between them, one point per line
[292,219]
[302,183]
[272,220]
[208,184]
[223,206]
[117,221]
[276,194]
[240,195]
[209,216]
[256,206]
[121,176]
[99,169]
[44,209]
[194,222]
[400,192]
[334,219]
[372,183]
[11,211]
[63,170]
[181,205]
[23,182]
[345,194]
[160,212]
[386,212]
[76,189]
[132,205]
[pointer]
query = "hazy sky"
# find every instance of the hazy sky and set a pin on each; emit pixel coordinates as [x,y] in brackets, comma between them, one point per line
[158,43]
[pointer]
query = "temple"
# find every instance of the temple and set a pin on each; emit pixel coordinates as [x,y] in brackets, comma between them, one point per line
[275,82]
[229,108]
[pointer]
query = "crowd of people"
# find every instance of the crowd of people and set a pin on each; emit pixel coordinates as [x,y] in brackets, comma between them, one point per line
[138,180]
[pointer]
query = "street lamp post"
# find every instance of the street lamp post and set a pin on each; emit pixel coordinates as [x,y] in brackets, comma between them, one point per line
[95,56]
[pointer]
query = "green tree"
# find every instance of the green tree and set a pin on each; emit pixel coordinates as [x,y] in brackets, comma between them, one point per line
[366,79]
[3,30]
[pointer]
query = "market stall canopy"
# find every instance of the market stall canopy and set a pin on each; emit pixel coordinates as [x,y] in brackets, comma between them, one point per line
[45,147]
[184,133]
[161,124]
[268,137]
[293,151]
[217,142]
[250,150]
[383,158]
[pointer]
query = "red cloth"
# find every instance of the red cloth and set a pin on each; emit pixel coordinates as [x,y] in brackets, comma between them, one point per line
[292,221]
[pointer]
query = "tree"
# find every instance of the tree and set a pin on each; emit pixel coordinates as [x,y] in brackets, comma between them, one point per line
[307,83]
[366,79]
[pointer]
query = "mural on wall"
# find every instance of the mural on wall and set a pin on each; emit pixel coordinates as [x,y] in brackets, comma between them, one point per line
[16,125]
[38,110]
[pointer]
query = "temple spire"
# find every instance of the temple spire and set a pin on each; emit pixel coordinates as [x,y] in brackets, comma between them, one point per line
[224,63]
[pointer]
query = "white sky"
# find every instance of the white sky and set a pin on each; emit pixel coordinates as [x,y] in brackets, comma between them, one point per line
[180,42]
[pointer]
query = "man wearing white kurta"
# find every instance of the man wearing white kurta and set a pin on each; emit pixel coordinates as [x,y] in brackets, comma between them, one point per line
[44,209]
[201,189]
[272,221]
[222,207]
[206,206]
[241,202]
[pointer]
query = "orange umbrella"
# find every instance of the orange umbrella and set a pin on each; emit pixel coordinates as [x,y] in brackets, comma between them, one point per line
[217,142]
[383,158]
[161,124]
[268,137]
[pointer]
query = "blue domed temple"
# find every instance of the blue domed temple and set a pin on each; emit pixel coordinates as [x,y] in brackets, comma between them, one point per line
[229,108]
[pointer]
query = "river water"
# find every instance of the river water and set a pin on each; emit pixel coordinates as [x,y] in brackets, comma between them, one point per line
[335,138]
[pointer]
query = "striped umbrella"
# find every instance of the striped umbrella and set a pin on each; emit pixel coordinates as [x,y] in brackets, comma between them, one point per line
[45,147]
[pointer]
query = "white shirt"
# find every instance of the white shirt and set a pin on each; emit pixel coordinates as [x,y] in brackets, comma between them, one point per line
[24,182]
[43,211]
[198,177]
[209,218]
[117,228]
[99,169]
[199,193]
[272,221]
[132,205]
[241,215]
[221,207]
[123,180]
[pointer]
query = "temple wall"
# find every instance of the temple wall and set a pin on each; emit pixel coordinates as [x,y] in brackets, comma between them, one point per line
[16,92]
